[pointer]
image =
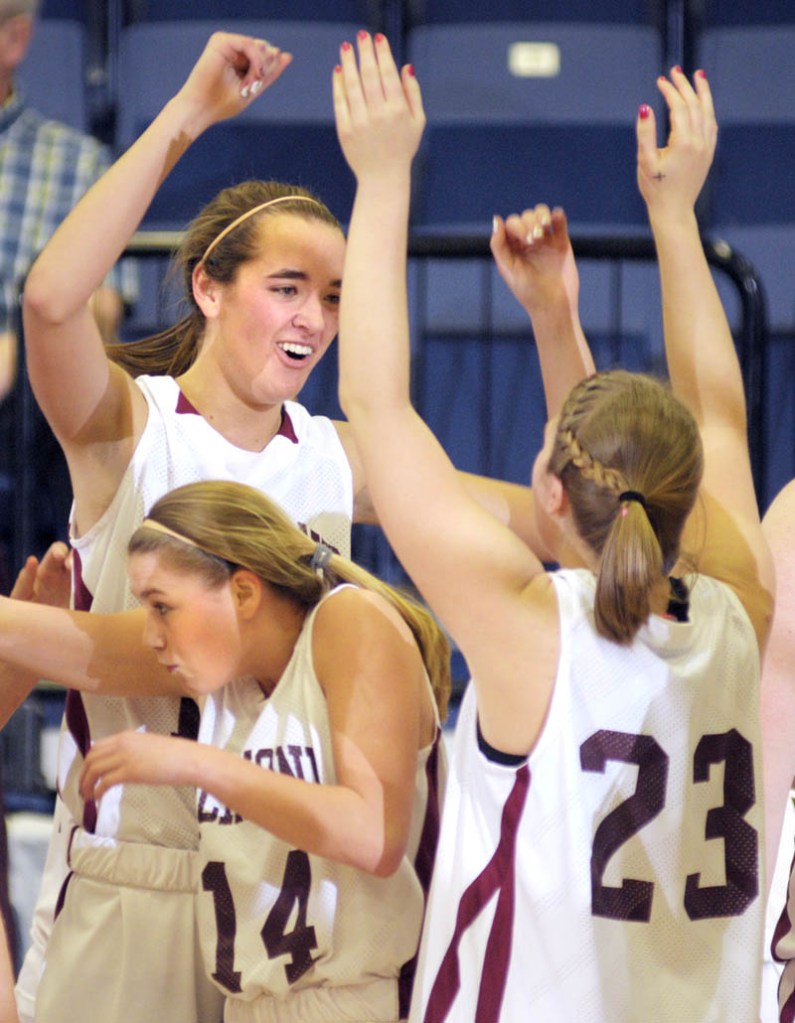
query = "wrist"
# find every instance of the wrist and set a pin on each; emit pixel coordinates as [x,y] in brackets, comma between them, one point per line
[551,306]
[672,220]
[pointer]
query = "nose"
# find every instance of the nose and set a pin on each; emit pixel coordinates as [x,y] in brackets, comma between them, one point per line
[310,318]
[153,633]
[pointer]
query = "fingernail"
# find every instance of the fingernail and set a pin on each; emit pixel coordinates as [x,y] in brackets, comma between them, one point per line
[538,231]
[337,69]
[379,37]
[362,35]
[643,112]
[255,87]
[244,92]
[494,225]
[346,46]
[701,73]
[678,70]
[410,69]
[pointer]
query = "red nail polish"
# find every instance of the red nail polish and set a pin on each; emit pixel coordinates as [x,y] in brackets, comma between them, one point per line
[380,37]
[701,73]
[362,35]
[643,111]
[346,46]
[678,70]
[337,68]
[410,69]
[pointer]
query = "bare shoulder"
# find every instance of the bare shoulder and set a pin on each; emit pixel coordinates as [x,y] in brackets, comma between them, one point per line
[778,524]
[359,612]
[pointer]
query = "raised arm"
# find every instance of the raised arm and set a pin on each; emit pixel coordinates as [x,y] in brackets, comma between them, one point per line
[466,564]
[778,673]
[92,406]
[535,258]
[702,359]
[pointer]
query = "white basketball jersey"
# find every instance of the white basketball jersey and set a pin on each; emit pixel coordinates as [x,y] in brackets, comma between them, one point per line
[614,875]
[275,920]
[304,468]
[783,950]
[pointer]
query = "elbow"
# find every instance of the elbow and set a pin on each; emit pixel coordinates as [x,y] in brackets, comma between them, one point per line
[42,302]
[387,865]
[383,858]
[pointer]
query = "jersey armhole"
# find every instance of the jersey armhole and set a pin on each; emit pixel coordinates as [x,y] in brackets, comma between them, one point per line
[497,756]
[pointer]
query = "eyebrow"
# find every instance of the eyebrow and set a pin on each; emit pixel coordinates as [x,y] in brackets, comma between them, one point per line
[299,275]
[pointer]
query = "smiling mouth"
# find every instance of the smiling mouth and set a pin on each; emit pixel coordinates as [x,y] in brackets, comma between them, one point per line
[295,351]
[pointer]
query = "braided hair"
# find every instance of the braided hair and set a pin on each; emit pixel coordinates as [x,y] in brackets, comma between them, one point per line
[629,456]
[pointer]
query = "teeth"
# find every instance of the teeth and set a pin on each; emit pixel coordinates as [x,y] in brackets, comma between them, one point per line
[292,348]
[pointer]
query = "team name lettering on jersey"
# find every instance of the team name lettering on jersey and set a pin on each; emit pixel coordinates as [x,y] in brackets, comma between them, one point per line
[296,761]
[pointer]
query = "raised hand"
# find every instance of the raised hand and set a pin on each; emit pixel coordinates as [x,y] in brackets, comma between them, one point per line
[378,110]
[230,73]
[670,178]
[533,253]
[47,581]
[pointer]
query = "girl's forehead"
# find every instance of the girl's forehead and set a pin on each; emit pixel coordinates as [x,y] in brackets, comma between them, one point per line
[290,229]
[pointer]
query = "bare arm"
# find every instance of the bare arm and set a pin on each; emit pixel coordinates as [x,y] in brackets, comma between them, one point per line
[778,672]
[379,715]
[535,259]
[99,653]
[702,359]
[473,571]
[534,255]
[45,582]
[92,406]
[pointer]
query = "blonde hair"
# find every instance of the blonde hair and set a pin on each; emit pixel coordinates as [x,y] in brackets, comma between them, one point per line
[620,432]
[223,237]
[223,526]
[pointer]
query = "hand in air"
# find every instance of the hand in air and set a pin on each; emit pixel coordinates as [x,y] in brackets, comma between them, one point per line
[137,757]
[47,581]
[533,253]
[231,72]
[670,178]
[378,110]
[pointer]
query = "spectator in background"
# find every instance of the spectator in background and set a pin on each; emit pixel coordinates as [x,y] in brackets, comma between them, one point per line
[45,166]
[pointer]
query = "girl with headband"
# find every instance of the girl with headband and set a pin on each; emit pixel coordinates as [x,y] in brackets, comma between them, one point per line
[601,848]
[210,398]
[319,764]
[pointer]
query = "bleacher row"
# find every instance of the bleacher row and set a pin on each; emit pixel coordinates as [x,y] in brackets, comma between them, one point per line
[527,100]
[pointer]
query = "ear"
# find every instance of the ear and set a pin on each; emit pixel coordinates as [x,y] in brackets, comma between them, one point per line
[206,292]
[247,591]
[553,496]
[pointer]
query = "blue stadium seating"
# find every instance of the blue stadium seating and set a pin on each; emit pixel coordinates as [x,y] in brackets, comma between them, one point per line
[52,76]
[287,134]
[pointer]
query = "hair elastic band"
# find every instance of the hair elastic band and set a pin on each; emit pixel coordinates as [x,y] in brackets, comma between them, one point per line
[320,558]
[633,495]
[250,213]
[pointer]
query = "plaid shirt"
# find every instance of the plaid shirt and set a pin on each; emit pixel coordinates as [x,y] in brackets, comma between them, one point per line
[45,167]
